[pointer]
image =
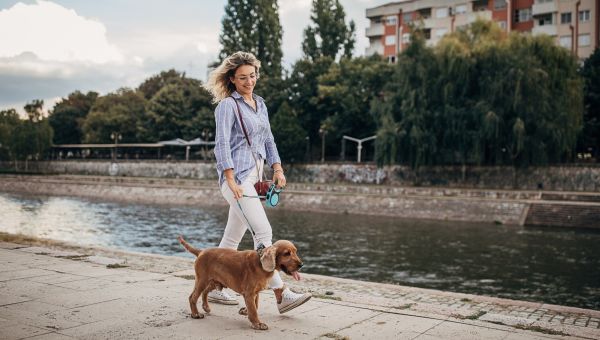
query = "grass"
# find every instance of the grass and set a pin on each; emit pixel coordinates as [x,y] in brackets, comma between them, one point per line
[187,277]
[115,265]
[328,297]
[540,329]
[73,257]
[335,336]
[406,306]
[469,317]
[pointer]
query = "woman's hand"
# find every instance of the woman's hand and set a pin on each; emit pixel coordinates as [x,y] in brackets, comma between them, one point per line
[279,178]
[233,186]
[237,190]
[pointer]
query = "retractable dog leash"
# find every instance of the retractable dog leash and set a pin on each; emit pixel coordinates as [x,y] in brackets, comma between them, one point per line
[260,246]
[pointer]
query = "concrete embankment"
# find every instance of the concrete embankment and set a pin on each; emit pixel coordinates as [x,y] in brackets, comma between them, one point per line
[55,290]
[493,206]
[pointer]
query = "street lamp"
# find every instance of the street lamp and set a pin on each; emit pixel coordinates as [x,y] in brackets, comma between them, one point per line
[322,132]
[206,135]
[115,137]
[359,147]
[307,154]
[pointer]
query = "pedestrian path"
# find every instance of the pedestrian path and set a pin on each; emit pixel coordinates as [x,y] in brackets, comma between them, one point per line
[58,291]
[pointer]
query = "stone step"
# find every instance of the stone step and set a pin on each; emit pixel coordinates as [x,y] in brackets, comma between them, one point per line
[564,215]
[574,197]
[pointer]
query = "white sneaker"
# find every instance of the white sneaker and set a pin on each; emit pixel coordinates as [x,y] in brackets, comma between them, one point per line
[291,300]
[220,296]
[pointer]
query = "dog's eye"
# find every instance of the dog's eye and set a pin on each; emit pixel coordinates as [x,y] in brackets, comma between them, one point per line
[287,253]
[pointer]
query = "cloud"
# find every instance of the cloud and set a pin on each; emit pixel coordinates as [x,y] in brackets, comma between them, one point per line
[54,33]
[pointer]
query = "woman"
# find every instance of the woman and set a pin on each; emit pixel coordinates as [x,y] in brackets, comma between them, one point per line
[233,81]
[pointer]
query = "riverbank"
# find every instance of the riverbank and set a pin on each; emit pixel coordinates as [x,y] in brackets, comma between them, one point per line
[546,208]
[61,291]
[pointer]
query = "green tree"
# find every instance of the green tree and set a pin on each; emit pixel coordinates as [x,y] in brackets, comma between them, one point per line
[591,118]
[303,91]
[253,26]
[329,34]
[121,112]
[345,93]
[289,135]
[68,115]
[9,120]
[480,97]
[181,109]
[152,85]
[30,138]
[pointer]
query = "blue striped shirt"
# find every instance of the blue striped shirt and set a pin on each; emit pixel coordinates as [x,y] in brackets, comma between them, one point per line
[231,148]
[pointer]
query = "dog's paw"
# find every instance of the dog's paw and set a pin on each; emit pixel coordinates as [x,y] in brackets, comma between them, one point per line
[243,311]
[260,326]
[197,316]
[206,308]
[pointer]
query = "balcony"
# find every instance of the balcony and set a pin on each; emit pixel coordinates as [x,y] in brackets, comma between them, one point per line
[374,30]
[484,15]
[374,49]
[543,8]
[550,30]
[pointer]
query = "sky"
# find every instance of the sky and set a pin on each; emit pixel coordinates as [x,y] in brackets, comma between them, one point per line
[49,49]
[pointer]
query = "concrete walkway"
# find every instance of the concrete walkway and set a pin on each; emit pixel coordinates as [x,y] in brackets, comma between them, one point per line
[59,291]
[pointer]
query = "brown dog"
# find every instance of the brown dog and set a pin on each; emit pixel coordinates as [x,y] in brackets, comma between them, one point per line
[243,271]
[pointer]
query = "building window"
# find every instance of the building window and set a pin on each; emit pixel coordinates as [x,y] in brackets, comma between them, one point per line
[427,33]
[460,9]
[391,59]
[441,12]
[376,20]
[565,41]
[584,15]
[499,4]
[544,20]
[522,15]
[390,40]
[502,24]
[405,38]
[407,17]
[565,18]
[391,20]
[584,40]
[425,13]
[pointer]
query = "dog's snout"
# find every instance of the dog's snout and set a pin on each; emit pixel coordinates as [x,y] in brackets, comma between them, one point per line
[300,265]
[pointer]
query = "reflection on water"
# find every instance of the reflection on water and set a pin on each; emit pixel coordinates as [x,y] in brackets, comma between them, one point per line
[557,266]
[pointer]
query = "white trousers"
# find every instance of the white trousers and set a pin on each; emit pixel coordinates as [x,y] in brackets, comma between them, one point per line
[253,212]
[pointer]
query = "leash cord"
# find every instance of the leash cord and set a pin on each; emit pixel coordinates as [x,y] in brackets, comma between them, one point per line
[260,244]
[246,217]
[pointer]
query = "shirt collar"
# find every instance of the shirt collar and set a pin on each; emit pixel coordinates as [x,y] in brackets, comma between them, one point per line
[256,97]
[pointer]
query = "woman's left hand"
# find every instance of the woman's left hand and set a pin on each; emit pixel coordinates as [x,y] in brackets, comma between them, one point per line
[279,179]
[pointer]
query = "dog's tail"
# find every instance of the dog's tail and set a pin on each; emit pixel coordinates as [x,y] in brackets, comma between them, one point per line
[188,247]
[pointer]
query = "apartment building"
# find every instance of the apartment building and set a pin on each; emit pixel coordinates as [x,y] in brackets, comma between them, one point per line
[574,24]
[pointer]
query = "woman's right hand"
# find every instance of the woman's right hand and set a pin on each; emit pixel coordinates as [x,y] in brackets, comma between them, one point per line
[235,189]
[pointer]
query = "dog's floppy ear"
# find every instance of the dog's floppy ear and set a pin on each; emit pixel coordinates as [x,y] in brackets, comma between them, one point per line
[267,260]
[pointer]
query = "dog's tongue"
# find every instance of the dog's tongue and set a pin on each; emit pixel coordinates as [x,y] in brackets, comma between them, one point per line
[296,276]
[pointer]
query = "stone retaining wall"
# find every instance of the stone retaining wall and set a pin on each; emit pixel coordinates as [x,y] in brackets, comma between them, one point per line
[558,178]
[445,205]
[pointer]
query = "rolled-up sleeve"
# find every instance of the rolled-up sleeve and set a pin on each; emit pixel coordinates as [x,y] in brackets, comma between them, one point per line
[224,118]
[271,148]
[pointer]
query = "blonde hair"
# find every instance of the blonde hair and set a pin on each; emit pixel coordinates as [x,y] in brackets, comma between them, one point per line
[218,83]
